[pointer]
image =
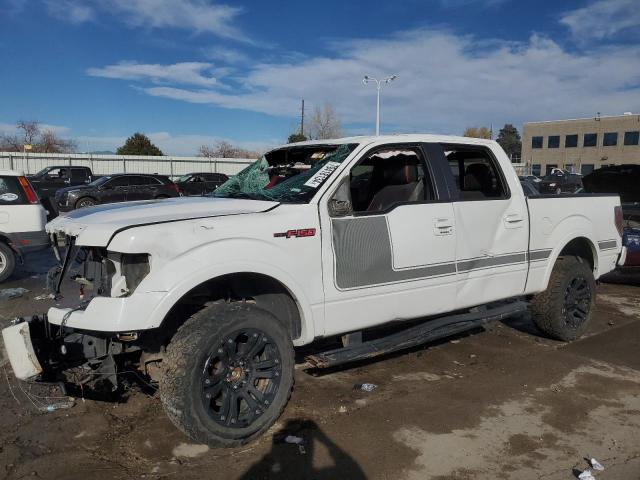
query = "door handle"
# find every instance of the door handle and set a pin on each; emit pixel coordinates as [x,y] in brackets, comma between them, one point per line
[443,226]
[513,220]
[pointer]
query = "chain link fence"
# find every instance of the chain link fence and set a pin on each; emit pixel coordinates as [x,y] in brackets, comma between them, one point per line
[171,166]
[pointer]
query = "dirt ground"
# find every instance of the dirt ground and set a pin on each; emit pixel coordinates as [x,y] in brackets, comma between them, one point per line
[499,403]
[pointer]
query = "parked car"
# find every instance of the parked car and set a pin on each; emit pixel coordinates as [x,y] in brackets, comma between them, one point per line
[123,187]
[559,182]
[315,239]
[623,180]
[22,221]
[50,179]
[200,183]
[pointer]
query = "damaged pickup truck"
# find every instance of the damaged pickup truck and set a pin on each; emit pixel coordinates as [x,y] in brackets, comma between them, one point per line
[211,295]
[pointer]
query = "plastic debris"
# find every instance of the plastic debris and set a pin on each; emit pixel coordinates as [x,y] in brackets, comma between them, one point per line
[45,296]
[586,475]
[293,439]
[342,409]
[57,406]
[366,387]
[7,293]
[596,465]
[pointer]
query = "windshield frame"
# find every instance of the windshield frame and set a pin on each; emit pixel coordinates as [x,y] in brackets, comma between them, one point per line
[313,175]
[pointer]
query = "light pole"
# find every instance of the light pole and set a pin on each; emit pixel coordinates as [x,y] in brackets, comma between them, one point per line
[379,83]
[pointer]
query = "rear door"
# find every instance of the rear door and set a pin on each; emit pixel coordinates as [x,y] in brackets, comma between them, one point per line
[79,176]
[115,190]
[492,226]
[392,255]
[141,187]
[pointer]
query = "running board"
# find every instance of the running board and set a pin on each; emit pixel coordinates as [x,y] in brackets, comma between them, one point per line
[424,332]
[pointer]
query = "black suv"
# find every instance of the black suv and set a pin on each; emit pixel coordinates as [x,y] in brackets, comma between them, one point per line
[200,183]
[122,187]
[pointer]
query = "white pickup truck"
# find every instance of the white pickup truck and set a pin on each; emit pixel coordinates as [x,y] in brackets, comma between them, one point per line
[316,239]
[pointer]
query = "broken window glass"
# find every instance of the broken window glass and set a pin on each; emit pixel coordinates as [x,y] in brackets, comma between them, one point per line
[291,175]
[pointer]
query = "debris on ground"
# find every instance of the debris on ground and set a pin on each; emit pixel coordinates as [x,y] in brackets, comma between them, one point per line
[342,409]
[45,296]
[8,293]
[365,387]
[596,465]
[57,406]
[299,441]
[586,475]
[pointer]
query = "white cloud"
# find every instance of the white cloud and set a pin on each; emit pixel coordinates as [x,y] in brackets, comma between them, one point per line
[602,19]
[187,73]
[199,16]
[446,82]
[71,11]
[225,55]
[11,129]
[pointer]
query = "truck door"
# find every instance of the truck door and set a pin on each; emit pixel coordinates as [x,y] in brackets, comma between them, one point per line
[492,226]
[389,242]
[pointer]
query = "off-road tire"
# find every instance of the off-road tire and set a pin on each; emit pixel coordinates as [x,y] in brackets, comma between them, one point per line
[187,355]
[549,308]
[7,261]
[85,202]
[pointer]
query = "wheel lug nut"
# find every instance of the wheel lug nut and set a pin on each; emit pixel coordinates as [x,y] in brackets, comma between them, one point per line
[207,381]
[266,402]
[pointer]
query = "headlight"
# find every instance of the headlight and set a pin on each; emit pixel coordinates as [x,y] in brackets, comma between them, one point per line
[552,184]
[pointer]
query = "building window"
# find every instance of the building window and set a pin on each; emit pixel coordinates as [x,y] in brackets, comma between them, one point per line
[586,169]
[535,169]
[631,138]
[590,140]
[553,141]
[536,142]
[550,168]
[571,141]
[610,139]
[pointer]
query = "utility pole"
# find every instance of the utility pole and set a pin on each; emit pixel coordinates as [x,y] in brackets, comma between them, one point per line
[302,119]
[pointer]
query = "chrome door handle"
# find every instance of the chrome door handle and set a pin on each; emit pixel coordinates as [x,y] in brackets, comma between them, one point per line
[514,220]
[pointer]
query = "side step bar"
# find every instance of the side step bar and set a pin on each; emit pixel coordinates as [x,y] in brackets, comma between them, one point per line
[422,333]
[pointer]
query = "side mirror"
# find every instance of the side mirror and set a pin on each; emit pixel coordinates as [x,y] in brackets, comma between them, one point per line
[340,204]
[67,181]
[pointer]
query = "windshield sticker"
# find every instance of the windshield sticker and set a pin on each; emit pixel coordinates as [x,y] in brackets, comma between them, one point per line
[8,197]
[322,174]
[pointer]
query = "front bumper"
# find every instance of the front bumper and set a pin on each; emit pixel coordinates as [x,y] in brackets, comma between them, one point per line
[20,352]
[109,314]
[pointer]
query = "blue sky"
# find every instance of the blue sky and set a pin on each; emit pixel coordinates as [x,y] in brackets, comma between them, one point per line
[193,71]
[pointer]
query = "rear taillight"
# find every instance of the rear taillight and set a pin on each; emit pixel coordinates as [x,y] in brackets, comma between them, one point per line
[174,187]
[28,190]
[617,211]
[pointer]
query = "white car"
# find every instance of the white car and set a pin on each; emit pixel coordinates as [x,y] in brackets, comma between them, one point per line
[22,221]
[316,239]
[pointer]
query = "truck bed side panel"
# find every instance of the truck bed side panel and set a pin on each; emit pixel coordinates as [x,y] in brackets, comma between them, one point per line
[557,220]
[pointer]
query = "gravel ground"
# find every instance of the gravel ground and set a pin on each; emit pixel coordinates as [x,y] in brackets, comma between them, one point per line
[499,403]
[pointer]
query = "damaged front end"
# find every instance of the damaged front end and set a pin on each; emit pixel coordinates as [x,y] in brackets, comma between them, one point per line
[53,347]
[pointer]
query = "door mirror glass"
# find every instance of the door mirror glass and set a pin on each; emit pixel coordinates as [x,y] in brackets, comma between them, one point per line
[340,204]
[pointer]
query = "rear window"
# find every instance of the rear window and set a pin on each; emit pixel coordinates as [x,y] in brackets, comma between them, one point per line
[11,192]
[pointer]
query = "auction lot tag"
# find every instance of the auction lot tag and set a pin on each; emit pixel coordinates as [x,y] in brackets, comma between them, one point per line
[322,174]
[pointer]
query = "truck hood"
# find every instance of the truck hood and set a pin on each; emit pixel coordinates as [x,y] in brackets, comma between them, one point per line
[95,226]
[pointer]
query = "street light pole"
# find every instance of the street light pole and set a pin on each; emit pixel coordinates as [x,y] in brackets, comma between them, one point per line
[379,83]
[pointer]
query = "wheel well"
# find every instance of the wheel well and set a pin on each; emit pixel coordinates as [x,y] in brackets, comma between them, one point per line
[264,291]
[583,248]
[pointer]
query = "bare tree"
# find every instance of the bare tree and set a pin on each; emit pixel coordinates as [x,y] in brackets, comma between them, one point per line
[49,142]
[30,130]
[324,123]
[475,132]
[224,149]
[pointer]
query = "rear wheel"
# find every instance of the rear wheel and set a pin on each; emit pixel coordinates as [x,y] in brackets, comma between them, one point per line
[7,261]
[228,374]
[563,311]
[85,202]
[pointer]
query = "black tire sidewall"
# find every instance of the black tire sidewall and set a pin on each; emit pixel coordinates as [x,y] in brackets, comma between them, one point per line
[220,322]
[84,199]
[10,265]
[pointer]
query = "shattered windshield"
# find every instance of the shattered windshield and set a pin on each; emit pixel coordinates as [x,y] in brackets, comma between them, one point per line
[291,174]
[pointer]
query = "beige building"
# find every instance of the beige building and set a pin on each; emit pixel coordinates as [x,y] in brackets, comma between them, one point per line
[581,145]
